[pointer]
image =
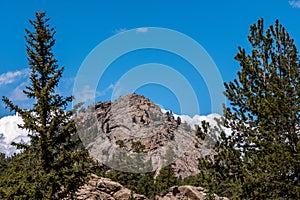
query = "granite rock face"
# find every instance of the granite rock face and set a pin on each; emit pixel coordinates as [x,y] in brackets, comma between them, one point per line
[134,135]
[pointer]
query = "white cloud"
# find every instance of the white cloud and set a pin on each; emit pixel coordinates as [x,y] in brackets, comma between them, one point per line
[10,77]
[295,4]
[197,119]
[138,30]
[120,30]
[120,91]
[18,94]
[87,94]
[10,132]
[106,90]
[142,30]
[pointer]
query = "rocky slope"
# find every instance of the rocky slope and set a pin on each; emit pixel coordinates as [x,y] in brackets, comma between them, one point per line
[105,189]
[133,135]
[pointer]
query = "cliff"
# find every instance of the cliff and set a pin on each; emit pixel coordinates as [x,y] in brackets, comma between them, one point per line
[134,135]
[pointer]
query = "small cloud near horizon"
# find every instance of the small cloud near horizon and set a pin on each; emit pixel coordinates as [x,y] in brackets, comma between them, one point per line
[138,30]
[106,90]
[120,30]
[295,4]
[142,30]
[88,94]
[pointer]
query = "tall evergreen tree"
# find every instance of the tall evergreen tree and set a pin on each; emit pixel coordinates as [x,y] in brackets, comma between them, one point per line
[52,165]
[261,157]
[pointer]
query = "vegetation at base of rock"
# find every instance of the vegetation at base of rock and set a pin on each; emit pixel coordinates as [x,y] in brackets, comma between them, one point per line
[146,184]
[104,188]
[260,159]
[54,162]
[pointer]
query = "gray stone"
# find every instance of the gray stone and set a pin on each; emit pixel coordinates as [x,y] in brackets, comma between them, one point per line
[133,118]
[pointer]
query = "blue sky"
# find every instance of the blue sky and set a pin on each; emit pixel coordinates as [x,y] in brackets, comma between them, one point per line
[219,26]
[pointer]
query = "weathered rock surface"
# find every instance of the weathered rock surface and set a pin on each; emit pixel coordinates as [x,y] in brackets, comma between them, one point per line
[187,192]
[106,189]
[134,135]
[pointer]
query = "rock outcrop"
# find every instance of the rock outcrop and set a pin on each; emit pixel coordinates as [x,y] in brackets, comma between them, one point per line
[105,189]
[188,192]
[134,135]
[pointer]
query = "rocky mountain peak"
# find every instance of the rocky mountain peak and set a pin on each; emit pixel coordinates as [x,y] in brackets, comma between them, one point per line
[134,135]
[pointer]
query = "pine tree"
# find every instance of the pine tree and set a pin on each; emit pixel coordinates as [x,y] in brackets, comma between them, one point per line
[261,157]
[52,165]
[166,179]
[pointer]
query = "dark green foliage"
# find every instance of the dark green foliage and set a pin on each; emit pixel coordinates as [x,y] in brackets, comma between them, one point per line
[53,164]
[146,183]
[178,120]
[140,183]
[120,143]
[3,162]
[260,159]
[165,179]
[98,169]
[209,133]
[137,147]
[201,132]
